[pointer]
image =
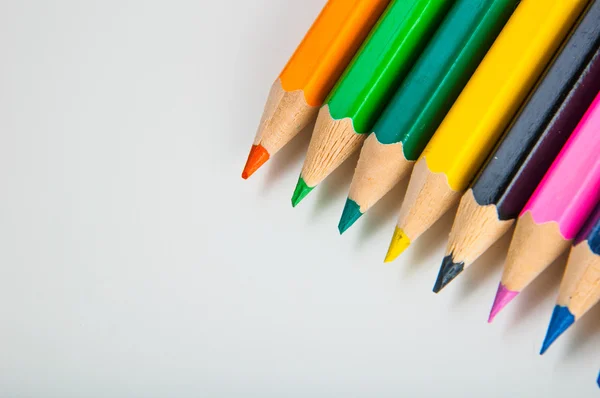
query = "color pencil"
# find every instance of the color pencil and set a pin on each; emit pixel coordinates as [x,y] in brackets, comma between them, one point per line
[366,85]
[535,136]
[311,72]
[481,113]
[580,286]
[556,211]
[423,99]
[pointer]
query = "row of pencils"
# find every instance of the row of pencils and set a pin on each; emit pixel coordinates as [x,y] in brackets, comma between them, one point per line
[491,104]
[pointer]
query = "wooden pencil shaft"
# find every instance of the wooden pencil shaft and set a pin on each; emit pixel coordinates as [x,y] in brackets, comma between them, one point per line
[428,197]
[379,169]
[580,286]
[532,249]
[332,143]
[542,126]
[474,230]
[286,114]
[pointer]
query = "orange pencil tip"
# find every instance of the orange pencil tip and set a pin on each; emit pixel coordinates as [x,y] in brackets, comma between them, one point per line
[257,157]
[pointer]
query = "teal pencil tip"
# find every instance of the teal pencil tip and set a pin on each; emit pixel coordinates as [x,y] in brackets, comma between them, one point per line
[350,214]
[561,319]
[300,192]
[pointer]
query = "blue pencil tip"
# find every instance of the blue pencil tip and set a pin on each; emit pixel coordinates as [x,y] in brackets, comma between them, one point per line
[350,214]
[560,321]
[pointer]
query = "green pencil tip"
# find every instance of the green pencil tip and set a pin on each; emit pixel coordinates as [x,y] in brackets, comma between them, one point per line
[350,214]
[300,192]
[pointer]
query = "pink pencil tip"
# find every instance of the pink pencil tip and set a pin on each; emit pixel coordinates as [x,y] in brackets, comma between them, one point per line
[503,297]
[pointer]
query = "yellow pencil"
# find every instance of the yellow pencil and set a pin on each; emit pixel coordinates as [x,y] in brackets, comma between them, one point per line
[480,114]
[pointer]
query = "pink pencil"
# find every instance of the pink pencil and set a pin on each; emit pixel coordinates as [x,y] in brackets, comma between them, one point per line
[556,210]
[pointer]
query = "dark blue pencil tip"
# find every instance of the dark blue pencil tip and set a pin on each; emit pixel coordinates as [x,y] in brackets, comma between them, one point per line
[560,321]
[350,214]
[448,271]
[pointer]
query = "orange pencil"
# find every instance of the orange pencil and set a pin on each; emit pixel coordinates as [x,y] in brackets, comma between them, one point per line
[309,75]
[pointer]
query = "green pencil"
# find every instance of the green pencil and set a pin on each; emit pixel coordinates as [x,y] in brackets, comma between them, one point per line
[366,85]
[423,99]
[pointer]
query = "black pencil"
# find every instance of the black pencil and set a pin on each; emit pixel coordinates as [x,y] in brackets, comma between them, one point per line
[535,136]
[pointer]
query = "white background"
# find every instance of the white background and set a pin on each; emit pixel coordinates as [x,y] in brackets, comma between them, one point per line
[135,262]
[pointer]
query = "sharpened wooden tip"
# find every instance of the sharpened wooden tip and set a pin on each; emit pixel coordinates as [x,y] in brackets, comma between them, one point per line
[427,199]
[286,114]
[580,286]
[379,169]
[532,249]
[475,229]
[332,142]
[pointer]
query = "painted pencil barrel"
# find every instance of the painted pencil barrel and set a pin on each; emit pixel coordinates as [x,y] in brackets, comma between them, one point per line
[328,47]
[534,137]
[571,188]
[498,88]
[424,97]
[383,60]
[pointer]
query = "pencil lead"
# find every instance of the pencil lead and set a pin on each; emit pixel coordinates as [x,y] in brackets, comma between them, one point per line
[300,192]
[350,214]
[448,271]
[560,321]
[398,244]
[503,297]
[257,157]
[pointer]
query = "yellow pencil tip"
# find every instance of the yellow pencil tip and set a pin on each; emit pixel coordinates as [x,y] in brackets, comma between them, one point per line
[398,244]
